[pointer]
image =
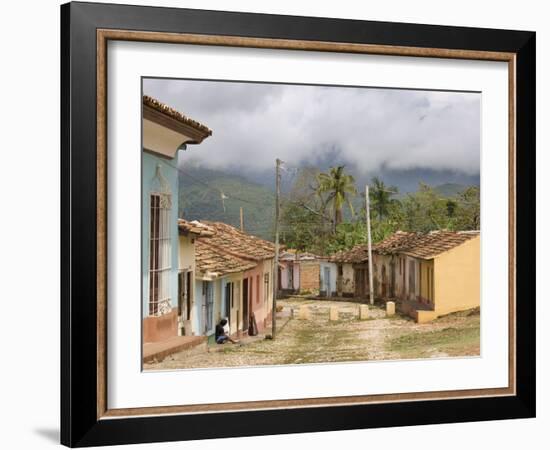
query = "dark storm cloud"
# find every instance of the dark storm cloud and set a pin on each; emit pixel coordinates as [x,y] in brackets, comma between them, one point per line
[369,128]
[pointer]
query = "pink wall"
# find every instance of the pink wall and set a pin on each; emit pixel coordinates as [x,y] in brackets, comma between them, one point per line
[256,292]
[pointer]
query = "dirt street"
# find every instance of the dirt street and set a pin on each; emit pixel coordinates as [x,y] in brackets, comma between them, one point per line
[347,339]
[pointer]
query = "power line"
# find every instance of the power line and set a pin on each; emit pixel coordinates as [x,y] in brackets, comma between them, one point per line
[204,183]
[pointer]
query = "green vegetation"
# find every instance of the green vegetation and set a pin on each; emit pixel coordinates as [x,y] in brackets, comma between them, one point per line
[456,339]
[336,189]
[323,212]
[213,195]
[308,227]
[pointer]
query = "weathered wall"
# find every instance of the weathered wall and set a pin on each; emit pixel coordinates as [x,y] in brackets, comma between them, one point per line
[235,313]
[348,283]
[289,266]
[186,261]
[284,275]
[426,277]
[149,166]
[309,275]
[328,285]
[199,316]
[160,328]
[296,273]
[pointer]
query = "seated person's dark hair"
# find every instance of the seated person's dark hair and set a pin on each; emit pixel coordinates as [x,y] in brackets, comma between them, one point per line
[223,322]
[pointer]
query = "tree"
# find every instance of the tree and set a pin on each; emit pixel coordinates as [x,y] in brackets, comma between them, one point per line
[425,211]
[336,189]
[301,228]
[304,224]
[381,197]
[467,212]
[347,236]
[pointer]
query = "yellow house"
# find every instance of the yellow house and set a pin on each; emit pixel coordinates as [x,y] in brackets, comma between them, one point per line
[429,275]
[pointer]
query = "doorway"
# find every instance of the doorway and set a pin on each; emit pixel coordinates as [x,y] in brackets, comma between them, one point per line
[246,308]
[326,281]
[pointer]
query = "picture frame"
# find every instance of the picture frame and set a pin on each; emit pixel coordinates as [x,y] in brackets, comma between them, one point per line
[86,28]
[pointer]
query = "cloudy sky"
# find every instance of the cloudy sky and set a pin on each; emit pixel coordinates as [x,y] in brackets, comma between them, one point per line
[365,128]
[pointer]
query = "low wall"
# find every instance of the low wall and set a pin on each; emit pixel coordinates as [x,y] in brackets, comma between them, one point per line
[160,328]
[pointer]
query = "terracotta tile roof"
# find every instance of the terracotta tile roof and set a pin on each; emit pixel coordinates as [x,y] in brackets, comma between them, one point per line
[290,255]
[239,244]
[171,112]
[357,254]
[435,243]
[423,245]
[395,242]
[419,245]
[215,261]
[195,227]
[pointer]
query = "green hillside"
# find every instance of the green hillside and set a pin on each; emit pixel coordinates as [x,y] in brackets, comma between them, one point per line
[202,193]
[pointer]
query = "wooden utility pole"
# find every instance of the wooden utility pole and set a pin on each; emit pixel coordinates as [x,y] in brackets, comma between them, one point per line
[371,287]
[242,221]
[276,263]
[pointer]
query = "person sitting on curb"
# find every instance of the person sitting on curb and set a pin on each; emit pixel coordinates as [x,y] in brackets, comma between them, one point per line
[221,335]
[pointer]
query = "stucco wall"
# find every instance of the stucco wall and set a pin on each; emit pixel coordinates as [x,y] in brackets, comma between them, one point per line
[309,276]
[149,164]
[235,312]
[260,292]
[457,278]
[289,266]
[284,275]
[268,291]
[296,273]
[348,281]
[198,318]
[330,284]
[186,250]
[426,279]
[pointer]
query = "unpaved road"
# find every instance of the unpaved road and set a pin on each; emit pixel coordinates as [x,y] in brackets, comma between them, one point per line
[319,340]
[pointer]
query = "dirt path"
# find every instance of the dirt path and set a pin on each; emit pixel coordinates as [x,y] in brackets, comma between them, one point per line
[348,339]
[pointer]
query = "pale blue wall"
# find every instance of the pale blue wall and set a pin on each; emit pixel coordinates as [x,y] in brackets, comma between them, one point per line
[333,272]
[149,164]
[198,319]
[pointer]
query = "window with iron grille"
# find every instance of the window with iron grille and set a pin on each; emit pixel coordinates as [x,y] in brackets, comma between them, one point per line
[160,254]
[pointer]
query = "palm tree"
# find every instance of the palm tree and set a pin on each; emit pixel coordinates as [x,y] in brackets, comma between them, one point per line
[336,189]
[380,196]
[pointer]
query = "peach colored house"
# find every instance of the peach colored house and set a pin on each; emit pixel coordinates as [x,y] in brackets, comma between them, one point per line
[251,311]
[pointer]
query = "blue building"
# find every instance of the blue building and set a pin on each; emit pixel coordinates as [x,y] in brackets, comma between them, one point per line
[327,278]
[165,132]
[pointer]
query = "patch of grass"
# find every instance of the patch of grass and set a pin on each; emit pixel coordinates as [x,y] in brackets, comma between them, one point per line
[452,341]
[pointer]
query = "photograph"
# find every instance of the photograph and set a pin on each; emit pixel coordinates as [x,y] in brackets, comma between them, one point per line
[286,224]
[287,221]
